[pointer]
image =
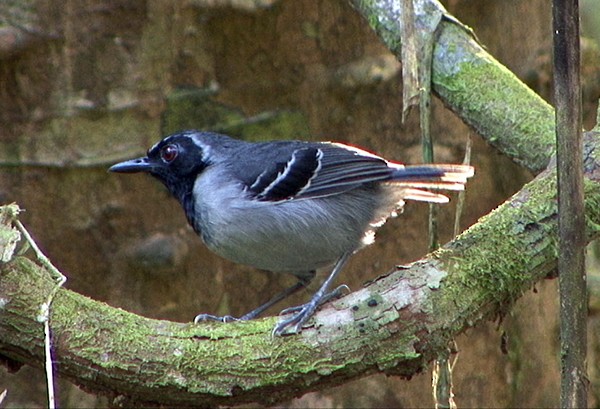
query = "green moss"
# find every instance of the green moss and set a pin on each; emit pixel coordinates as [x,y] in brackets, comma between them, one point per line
[476,89]
[592,207]
[499,256]
[591,154]
[377,15]
[197,359]
[9,235]
[91,337]
[195,108]
[120,128]
[271,125]
[123,131]
[474,83]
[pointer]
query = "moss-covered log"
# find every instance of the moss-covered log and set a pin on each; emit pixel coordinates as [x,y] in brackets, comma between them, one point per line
[395,324]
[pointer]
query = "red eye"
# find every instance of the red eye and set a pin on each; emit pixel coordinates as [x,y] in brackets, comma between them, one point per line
[169,153]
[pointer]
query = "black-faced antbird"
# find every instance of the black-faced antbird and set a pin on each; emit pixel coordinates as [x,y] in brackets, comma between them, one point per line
[287,206]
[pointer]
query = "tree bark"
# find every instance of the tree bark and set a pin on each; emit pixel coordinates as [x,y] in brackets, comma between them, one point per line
[571,223]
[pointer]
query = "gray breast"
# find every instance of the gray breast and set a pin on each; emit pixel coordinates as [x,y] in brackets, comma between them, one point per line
[289,236]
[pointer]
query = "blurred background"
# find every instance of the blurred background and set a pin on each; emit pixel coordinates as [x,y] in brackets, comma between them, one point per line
[84,84]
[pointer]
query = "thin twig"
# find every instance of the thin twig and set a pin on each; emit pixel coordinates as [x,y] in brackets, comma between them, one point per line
[461,195]
[442,382]
[44,316]
[442,369]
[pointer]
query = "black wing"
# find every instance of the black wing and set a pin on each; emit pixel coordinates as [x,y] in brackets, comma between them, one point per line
[316,170]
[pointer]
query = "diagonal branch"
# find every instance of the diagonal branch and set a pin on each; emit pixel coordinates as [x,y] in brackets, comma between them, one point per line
[472,83]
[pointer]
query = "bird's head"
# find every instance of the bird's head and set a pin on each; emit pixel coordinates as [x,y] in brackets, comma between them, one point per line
[176,161]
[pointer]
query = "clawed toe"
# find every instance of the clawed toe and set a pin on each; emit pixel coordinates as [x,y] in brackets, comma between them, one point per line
[293,325]
[302,313]
[209,317]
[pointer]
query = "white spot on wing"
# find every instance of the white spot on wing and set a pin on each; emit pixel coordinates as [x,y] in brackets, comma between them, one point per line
[280,176]
[315,172]
[257,181]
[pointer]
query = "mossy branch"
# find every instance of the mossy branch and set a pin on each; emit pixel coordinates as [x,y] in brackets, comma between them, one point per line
[396,324]
[472,83]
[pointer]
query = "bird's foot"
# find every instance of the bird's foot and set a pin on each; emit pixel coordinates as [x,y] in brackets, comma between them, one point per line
[209,317]
[293,325]
[302,313]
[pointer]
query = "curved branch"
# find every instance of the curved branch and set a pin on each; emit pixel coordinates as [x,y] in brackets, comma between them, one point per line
[395,324]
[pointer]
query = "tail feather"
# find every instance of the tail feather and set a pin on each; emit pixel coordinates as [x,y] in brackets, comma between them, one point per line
[424,196]
[434,176]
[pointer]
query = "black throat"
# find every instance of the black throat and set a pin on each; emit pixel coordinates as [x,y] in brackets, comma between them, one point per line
[183,190]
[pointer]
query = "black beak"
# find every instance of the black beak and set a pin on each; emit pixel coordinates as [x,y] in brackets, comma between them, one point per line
[132,166]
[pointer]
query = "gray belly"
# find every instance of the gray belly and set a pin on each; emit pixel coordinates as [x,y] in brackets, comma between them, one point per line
[294,236]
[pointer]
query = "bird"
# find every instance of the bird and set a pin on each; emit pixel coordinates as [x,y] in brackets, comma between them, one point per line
[287,206]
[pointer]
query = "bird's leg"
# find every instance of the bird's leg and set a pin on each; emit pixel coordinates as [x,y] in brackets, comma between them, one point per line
[304,281]
[332,295]
[279,297]
[304,312]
